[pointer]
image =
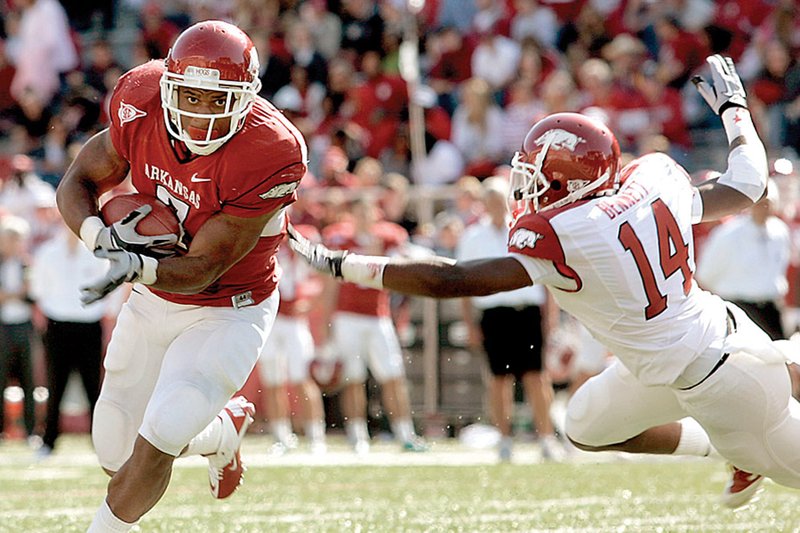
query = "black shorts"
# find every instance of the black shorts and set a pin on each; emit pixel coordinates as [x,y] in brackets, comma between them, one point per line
[512,338]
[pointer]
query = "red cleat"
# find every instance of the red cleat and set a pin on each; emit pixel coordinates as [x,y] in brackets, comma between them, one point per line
[225,467]
[740,488]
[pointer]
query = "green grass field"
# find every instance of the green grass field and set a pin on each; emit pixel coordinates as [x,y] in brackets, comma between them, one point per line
[449,488]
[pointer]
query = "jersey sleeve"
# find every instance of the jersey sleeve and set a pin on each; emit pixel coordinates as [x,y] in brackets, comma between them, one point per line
[115,125]
[265,190]
[131,103]
[533,237]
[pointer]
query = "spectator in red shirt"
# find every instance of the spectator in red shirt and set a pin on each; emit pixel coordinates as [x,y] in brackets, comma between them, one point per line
[158,33]
[665,110]
[6,75]
[735,22]
[379,103]
[451,65]
[681,52]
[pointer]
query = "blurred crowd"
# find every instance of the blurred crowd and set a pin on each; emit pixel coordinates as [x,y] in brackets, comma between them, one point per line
[488,70]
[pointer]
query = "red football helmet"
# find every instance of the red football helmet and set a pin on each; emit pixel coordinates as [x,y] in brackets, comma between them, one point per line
[213,56]
[565,157]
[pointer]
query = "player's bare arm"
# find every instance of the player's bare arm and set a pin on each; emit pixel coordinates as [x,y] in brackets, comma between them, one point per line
[436,277]
[219,244]
[97,168]
[443,279]
[743,183]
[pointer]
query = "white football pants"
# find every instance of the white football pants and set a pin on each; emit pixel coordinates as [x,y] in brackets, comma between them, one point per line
[745,407]
[288,352]
[363,340]
[170,369]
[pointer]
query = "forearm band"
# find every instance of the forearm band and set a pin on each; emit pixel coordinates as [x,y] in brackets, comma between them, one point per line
[364,270]
[149,270]
[90,229]
[747,161]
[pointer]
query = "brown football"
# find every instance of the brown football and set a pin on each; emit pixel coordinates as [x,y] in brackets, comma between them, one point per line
[160,221]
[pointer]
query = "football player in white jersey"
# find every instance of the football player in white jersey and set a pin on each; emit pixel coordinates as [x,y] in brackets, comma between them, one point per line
[614,246]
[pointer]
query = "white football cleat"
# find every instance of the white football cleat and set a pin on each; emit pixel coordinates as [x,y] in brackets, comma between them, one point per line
[225,467]
[741,488]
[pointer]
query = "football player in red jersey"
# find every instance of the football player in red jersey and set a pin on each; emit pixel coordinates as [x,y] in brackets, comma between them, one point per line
[192,132]
[363,334]
[614,247]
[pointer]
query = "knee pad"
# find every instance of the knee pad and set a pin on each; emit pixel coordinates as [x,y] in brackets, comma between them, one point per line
[584,424]
[113,434]
[175,417]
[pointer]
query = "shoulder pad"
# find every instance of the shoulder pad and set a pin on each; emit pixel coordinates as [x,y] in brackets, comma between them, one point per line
[532,235]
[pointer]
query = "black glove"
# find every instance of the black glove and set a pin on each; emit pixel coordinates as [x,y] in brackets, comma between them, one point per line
[123,235]
[124,266]
[726,89]
[318,256]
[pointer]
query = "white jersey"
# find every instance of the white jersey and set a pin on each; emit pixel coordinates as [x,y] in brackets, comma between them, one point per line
[623,265]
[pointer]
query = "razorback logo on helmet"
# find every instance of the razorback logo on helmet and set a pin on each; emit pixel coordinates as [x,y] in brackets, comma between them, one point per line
[281,190]
[129,113]
[558,138]
[524,238]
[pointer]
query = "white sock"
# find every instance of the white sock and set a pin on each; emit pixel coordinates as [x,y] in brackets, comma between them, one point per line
[694,440]
[207,441]
[403,429]
[281,429]
[106,522]
[315,430]
[356,429]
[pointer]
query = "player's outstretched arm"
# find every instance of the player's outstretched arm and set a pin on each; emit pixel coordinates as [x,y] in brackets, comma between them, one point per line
[744,182]
[436,277]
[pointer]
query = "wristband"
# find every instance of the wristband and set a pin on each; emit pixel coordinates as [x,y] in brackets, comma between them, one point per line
[149,270]
[738,123]
[90,229]
[365,270]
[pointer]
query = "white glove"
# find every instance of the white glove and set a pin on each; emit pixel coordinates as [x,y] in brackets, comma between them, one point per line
[726,89]
[123,235]
[318,256]
[124,266]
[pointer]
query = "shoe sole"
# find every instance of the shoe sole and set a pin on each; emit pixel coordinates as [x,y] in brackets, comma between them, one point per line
[743,497]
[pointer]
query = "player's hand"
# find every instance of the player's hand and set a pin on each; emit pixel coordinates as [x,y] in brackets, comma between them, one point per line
[123,235]
[124,266]
[318,256]
[726,89]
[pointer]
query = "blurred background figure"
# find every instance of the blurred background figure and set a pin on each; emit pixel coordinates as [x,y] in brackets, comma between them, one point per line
[511,327]
[41,56]
[478,128]
[745,262]
[362,331]
[73,332]
[16,313]
[285,359]
[25,190]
